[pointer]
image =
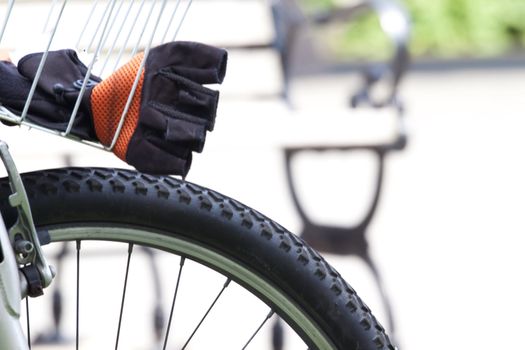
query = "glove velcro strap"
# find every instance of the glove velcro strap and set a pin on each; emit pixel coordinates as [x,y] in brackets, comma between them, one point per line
[108,100]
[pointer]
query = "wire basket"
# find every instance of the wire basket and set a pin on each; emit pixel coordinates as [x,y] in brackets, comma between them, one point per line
[104,33]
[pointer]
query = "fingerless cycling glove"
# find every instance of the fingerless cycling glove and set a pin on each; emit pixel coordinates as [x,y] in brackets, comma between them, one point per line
[47,108]
[168,117]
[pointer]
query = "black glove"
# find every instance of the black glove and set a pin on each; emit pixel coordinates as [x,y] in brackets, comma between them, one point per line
[169,114]
[47,108]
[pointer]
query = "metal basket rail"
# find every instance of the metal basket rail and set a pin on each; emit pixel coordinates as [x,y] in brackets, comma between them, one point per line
[104,33]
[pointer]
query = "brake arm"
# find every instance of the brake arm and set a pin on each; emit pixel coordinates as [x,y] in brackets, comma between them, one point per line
[23,235]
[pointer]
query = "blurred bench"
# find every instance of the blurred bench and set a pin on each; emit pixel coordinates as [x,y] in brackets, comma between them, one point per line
[290,39]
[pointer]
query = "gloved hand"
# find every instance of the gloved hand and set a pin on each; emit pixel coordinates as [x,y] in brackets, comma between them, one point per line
[169,113]
[46,109]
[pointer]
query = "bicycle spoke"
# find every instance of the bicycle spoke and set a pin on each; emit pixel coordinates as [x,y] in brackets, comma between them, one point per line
[158,315]
[278,335]
[78,295]
[182,260]
[28,325]
[207,312]
[258,329]
[130,252]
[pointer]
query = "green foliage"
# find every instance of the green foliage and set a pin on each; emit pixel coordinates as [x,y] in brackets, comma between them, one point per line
[440,28]
[316,5]
[467,27]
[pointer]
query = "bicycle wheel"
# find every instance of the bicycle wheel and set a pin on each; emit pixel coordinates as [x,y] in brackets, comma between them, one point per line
[77,204]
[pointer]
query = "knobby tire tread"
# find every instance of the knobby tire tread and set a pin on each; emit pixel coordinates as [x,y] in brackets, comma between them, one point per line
[94,194]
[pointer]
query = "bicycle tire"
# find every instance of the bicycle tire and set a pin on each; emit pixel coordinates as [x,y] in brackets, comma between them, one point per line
[305,290]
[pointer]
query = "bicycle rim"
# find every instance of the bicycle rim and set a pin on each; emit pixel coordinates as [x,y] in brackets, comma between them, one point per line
[214,260]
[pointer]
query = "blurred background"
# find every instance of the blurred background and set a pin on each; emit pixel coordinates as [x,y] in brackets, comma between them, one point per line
[397,124]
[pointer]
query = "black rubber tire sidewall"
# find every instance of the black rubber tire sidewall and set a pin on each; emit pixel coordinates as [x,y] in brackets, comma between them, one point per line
[122,197]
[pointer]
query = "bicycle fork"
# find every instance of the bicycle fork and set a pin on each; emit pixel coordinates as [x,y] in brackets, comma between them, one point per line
[23,268]
[11,335]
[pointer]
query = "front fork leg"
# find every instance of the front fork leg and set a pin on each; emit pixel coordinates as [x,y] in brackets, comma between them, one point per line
[23,267]
[11,335]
